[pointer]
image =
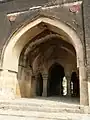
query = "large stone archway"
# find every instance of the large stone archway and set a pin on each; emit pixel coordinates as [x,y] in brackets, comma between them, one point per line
[21,37]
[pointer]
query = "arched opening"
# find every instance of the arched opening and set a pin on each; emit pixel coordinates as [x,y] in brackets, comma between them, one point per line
[26,34]
[55,79]
[50,55]
[39,85]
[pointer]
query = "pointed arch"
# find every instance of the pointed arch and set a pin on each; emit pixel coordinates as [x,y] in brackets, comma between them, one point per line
[22,36]
[11,52]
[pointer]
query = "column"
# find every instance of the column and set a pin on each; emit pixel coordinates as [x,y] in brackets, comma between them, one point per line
[22,81]
[83,85]
[68,77]
[45,78]
[33,86]
[28,82]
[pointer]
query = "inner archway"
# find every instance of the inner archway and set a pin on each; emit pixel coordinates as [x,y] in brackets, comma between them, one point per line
[55,78]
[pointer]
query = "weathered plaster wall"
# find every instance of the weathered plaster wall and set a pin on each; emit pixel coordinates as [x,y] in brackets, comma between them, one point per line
[18,5]
[86,17]
[5,29]
[24,82]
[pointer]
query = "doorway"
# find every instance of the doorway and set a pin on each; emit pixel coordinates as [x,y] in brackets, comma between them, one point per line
[55,79]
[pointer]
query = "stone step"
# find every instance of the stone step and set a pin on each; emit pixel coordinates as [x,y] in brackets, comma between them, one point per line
[37,115]
[39,102]
[40,108]
[40,105]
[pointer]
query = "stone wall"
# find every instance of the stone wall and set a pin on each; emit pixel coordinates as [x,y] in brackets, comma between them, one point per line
[86,18]
[19,5]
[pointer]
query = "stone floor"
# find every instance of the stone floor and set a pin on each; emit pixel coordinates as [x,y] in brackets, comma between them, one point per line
[37,117]
[51,108]
[61,100]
